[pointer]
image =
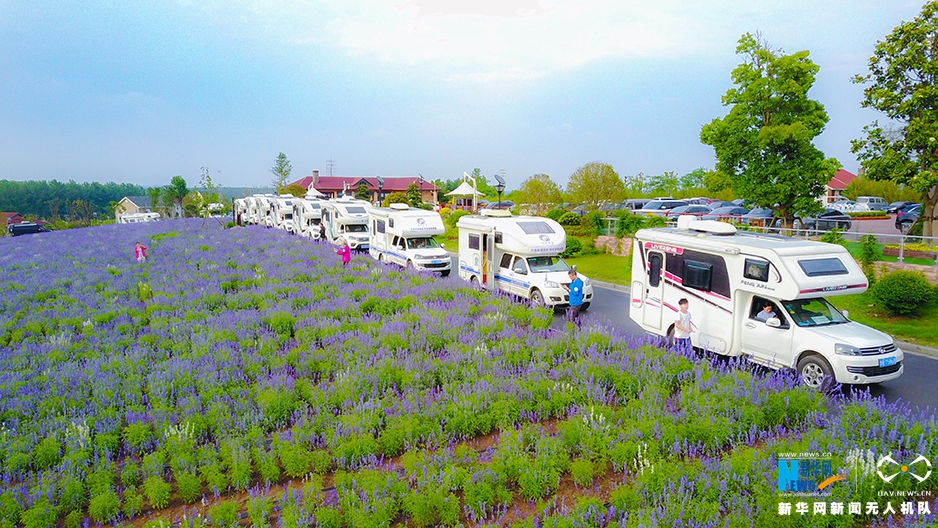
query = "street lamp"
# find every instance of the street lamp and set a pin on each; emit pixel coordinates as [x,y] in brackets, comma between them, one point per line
[380,188]
[500,187]
[421,186]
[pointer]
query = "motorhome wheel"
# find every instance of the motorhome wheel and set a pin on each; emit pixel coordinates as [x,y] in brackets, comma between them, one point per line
[585,307]
[813,370]
[444,273]
[537,298]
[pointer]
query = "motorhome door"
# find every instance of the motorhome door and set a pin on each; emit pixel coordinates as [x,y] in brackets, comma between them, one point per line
[488,261]
[654,290]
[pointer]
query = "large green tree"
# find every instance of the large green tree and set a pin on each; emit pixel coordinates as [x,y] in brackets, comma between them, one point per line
[539,191]
[174,193]
[281,171]
[594,183]
[901,84]
[765,143]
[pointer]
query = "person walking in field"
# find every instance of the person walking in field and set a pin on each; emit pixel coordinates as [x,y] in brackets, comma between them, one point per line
[683,326]
[140,251]
[345,253]
[322,232]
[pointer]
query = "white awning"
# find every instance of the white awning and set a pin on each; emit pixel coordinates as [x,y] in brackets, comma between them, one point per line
[313,192]
[464,189]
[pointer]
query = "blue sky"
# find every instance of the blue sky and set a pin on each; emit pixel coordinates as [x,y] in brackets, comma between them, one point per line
[138,92]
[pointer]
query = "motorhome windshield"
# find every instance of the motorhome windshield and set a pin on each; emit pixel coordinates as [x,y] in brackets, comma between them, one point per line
[421,243]
[813,312]
[357,228]
[547,264]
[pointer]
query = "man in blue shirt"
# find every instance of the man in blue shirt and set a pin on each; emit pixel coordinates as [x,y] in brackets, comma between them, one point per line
[576,295]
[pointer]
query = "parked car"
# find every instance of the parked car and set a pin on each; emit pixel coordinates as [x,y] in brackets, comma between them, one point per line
[827,220]
[716,204]
[846,206]
[758,217]
[732,212]
[26,228]
[701,200]
[660,207]
[634,204]
[696,210]
[895,207]
[906,217]
[874,203]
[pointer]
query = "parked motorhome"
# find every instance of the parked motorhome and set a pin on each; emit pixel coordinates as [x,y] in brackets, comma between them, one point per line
[135,218]
[347,218]
[729,277]
[239,209]
[307,212]
[404,235]
[517,254]
[281,209]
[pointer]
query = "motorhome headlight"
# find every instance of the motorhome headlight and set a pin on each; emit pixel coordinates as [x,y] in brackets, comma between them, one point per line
[551,284]
[846,350]
[586,282]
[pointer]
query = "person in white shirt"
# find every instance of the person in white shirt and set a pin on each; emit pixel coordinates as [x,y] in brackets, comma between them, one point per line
[683,325]
[767,312]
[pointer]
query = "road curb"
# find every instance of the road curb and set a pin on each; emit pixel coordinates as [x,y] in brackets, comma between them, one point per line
[610,286]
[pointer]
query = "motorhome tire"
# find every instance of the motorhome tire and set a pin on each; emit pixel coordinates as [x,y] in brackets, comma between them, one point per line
[474,281]
[537,298]
[409,265]
[444,273]
[380,257]
[585,307]
[813,370]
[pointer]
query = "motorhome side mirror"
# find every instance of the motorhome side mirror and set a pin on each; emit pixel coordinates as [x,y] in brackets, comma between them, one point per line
[773,322]
[442,245]
[846,314]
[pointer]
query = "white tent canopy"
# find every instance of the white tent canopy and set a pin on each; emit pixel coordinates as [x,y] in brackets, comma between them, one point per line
[313,192]
[464,189]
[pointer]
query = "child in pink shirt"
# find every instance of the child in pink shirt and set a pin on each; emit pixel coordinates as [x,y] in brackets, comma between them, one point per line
[345,253]
[140,251]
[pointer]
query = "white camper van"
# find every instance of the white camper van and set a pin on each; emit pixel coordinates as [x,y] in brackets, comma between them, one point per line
[404,235]
[729,277]
[517,254]
[347,218]
[307,212]
[282,213]
[135,218]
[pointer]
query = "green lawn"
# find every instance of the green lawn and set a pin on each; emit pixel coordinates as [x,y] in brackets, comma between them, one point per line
[604,267]
[921,329]
[854,249]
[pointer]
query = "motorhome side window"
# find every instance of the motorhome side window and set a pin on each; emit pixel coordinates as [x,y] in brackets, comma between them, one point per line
[822,267]
[473,241]
[697,275]
[756,270]
[654,270]
[390,222]
[379,226]
[506,261]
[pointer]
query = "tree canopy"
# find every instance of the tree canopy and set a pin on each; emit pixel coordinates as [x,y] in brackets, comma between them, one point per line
[49,200]
[281,171]
[765,143]
[539,191]
[901,84]
[595,183]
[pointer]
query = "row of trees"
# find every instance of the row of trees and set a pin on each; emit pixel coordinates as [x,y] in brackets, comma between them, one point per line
[55,200]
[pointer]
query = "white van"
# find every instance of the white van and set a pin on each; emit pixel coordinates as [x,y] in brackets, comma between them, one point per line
[307,212]
[404,235]
[517,254]
[282,213]
[347,218]
[728,277]
[135,218]
[873,203]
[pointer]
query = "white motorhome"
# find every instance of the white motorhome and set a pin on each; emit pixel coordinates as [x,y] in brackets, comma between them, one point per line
[282,213]
[307,212]
[517,254]
[404,235]
[347,218]
[729,277]
[134,218]
[240,209]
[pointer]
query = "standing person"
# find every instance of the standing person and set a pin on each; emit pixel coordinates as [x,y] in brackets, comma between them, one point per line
[140,251]
[682,325]
[576,295]
[322,232]
[345,253]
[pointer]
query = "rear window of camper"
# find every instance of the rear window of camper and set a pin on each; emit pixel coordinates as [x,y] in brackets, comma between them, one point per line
[535,228]
[473,241]
[822,267]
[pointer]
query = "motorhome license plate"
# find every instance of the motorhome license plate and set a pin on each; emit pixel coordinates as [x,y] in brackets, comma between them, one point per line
[887,362]
[436,261]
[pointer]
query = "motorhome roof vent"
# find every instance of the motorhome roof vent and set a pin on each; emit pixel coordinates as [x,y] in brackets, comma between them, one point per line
[714,227]
[400,206]
[501,213]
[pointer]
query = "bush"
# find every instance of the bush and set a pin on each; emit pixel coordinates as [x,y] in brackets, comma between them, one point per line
[628,225]
[569,220]
[904,292]
[396,197]
[573,247]
[454,217]
[555,214]
[590,249]
[594,221]
[870,252]
[103,507]
[224,514]
[157,491]
[834,236]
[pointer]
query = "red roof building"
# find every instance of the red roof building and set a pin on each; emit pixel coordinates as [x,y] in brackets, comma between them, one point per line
[7,219]
[838,183]
[335,186]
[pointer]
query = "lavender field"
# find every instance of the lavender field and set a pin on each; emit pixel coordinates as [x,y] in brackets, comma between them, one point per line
[243,377]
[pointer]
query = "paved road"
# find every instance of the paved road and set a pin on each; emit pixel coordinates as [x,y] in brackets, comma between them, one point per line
[916,385]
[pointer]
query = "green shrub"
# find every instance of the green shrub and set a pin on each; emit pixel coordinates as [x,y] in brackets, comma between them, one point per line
[555,214]
[582,470]
[652,221]
[573,247]
[130,474]
[133,502]
[47,453]
[103,507]
[870,252]
[834,236]
[281,323]
[189,486]
[590,249]
[224,514]
[297,460]
[570,220]
[455,216]
[904,292]
[594,221]
[628,225]
[136,435]
[157,491]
